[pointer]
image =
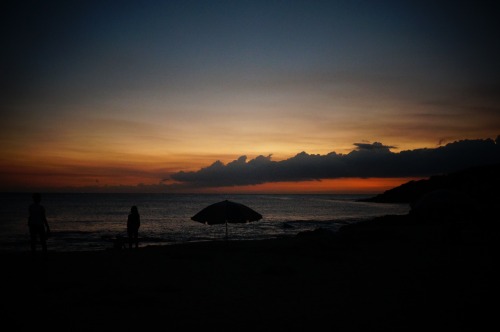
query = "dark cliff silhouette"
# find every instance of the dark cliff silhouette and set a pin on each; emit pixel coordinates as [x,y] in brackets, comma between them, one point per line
[481,183]
[463,204]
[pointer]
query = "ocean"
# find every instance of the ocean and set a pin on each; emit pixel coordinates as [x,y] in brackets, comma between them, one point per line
[90,222]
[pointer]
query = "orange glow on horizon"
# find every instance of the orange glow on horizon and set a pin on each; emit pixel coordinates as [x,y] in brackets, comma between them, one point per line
[103,179]
[325,186]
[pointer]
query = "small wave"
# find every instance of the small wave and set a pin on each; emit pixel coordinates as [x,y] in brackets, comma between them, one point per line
[65,233]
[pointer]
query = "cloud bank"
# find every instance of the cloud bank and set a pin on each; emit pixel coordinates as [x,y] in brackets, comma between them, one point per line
[367,160]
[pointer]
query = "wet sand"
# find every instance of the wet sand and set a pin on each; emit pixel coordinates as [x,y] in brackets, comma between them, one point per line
[388,274]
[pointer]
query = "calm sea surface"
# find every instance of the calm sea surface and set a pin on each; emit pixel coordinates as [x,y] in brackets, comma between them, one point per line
[91,221]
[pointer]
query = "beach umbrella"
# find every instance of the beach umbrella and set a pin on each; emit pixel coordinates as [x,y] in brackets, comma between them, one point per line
[226,212]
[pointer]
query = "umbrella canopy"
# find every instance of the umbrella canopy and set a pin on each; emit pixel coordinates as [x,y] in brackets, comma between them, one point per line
[226,212]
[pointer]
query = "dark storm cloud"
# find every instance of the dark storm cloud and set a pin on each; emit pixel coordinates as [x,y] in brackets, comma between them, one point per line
[368,160]
[373,146]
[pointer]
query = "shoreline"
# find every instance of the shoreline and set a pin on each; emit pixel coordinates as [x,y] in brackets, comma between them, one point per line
[390,273]
[108,241]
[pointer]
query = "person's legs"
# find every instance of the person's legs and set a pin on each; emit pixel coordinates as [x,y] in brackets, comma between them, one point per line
[130,235]
[43,239]
[33,235]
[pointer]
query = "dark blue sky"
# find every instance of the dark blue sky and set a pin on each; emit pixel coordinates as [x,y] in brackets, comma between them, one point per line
[147,44]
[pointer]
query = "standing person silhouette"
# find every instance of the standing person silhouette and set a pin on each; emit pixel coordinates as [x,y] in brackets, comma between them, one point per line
[133,223]
[37,223]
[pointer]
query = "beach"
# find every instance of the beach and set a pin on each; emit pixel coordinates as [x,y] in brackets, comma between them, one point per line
[390,273]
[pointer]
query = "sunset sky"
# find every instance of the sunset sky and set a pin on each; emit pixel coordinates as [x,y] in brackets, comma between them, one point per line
[149,95]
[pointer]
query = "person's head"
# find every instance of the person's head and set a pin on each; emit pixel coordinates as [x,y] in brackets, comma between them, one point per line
[134,210]
[36,197]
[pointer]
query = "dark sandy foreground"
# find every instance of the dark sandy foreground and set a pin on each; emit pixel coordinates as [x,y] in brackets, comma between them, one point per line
[389,274]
